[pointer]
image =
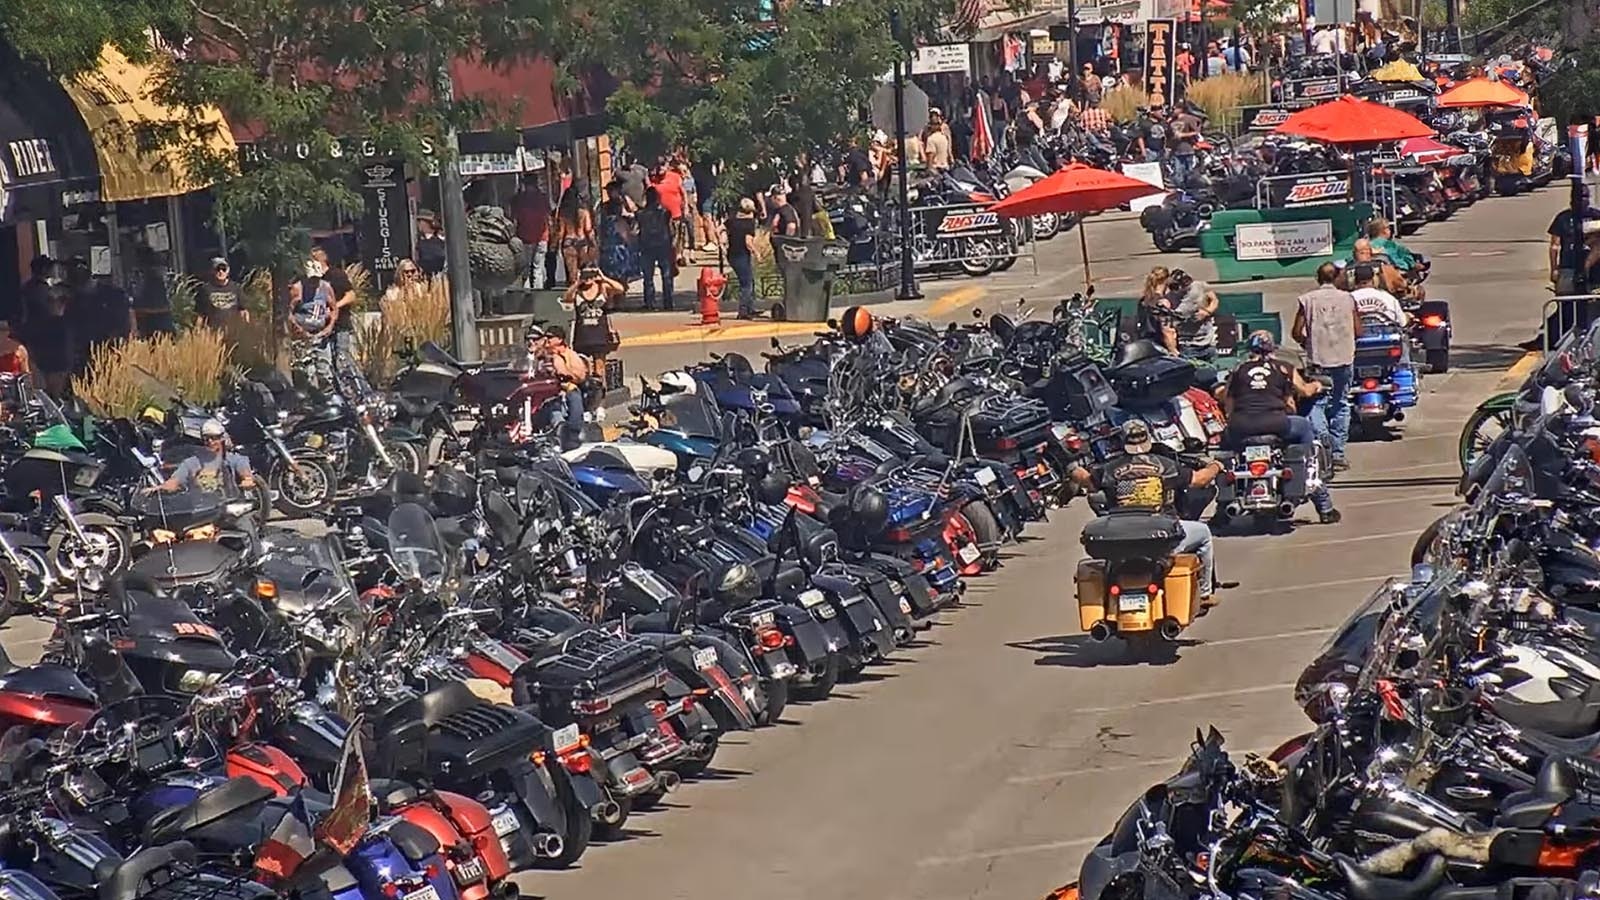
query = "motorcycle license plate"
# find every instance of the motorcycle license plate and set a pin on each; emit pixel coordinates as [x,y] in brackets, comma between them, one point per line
[1258,489]
[969,554]
[427,893]
[1369,372]
[1133,601]
[984,477]
[565,737]
[812,597]
[469,872]
[705,658]
[1254,453]
[504,823]
[1169,434]
[762,620]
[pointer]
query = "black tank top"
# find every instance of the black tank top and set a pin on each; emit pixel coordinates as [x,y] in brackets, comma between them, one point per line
[1258,388]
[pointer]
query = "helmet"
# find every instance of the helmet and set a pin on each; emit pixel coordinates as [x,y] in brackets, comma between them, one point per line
[856,323]
[533,332]
[1180,279]
[1261,341]
[211,428]
[678,382]
[754,462]
[773,488]
[869,508]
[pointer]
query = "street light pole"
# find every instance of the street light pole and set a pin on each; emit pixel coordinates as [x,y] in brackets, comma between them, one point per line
[908,279]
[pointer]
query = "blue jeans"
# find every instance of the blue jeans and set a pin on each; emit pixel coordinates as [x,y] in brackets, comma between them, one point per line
[1330,414]
[745,268]
[653,260]
[570,425]
[1197,540]
[1182,166]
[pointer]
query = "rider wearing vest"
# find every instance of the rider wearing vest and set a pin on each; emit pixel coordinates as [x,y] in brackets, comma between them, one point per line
[1261,397]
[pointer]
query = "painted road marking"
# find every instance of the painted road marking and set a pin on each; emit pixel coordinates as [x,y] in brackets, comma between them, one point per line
[1280,636]
[1519,371]
[1185,698]
[1316,585]
[1010,851]
[949,303]
[1353,540]
[1487,253]
[742,331]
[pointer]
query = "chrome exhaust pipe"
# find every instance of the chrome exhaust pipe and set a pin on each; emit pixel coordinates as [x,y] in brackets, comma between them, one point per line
[548,845]
[1099,632]
[1170,629]
[669,780]
[1234,509]
[607,812]
[1285,509]
[1399,415]
[507,890]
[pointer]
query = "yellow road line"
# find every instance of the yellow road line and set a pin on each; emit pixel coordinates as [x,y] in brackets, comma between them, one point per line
[740,331]
[954,300]
[1519,370]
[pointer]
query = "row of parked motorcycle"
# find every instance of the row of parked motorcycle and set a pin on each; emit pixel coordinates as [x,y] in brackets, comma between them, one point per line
[476,650]
[1454,717]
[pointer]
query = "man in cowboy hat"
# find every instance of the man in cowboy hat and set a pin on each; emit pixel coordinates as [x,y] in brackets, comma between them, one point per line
[1138,478]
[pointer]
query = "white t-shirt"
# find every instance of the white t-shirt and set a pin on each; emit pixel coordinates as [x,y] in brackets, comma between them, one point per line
[1371,301]
[1324,42]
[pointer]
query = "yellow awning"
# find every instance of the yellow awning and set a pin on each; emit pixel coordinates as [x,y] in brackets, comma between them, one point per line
[115,102]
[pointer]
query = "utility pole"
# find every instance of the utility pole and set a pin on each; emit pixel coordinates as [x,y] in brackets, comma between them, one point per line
[1578,138]
[908,278]
[453,212]
[1072,39]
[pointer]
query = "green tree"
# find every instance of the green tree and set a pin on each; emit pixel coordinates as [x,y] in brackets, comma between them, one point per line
[65,36]
[745,82]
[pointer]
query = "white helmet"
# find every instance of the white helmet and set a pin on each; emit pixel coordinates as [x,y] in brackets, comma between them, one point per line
[678,382]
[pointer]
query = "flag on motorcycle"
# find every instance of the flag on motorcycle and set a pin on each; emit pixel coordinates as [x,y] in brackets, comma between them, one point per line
[289,845]
[982,130]
[344,825]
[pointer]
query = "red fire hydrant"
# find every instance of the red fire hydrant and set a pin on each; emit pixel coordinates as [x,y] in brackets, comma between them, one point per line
[709,287]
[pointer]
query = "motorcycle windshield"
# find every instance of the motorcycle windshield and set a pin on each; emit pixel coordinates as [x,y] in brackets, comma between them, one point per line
[415,545]
[555,477]
[309,572]
[696,415]
[1513,475]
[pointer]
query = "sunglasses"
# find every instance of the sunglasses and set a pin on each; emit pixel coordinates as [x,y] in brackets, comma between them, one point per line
[408,270]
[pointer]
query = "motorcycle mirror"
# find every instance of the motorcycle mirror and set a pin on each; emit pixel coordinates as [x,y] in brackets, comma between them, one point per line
[310,578]
[776,345]
[833,324]
[977,312]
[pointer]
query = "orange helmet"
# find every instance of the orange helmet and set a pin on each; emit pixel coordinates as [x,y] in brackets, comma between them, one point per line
[856,323]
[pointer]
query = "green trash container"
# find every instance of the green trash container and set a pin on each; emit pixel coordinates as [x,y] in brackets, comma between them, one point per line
[807,266]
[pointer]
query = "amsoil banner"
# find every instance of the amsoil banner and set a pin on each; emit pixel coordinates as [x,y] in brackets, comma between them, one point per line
[386,226]
[1263,118]
[964,221]
[1324,88]
[1312,189]
[1161,52]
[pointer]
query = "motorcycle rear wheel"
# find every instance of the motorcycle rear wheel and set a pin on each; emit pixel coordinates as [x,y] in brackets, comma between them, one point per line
[822,682]
[987,528]
[777,692]
[978,257]
[1046,226]
[580,824]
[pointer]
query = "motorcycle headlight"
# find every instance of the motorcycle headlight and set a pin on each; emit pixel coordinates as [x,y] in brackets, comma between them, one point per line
[193,680]
[314,441]
[162,536]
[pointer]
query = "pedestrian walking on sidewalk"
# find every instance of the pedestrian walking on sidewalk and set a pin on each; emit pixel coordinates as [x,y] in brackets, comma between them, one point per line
[741,255]
[656,248]
[531,209]
[1327,324]
[575,228]
[591,300]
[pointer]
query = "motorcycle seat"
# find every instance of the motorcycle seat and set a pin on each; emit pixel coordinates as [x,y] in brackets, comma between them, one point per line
[1574,717]
[1363,885]
[415,407]
[211,805]
[1559,780]
[412,841]
[1262,440]
[124,879]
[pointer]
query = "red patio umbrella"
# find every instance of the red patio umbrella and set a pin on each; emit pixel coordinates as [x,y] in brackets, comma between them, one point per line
[1349,120]
[1077,189]
[1482,92]
[1427,151]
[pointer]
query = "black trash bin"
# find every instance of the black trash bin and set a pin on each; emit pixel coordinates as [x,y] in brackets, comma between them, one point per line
[807,266]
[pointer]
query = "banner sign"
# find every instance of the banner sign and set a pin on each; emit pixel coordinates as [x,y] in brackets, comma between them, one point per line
[1149,173]
[1401,97]
[940,58]
[1325,88]
[1311,189]
[1263,118]
[1283,240]
[1161,51]
[963,221]
[386,225]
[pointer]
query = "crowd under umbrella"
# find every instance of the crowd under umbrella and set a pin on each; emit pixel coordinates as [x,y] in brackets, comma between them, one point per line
[1076,189]
[1355,125]
[1480,92]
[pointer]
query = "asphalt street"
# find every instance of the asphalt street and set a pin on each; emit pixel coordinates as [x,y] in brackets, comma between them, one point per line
[984,763]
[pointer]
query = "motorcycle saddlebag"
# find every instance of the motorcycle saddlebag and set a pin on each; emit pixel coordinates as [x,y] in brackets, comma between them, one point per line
[1151,381]
[1298,462]
[1091,582]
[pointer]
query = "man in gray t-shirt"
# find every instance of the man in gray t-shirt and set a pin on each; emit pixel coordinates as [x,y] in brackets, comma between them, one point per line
[1196,305]
[1327,324]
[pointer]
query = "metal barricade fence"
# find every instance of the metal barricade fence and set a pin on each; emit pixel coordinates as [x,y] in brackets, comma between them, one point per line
[1564,312]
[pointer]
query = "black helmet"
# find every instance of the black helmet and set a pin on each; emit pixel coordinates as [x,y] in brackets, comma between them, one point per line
[772,488]
[869,509]
[754,462]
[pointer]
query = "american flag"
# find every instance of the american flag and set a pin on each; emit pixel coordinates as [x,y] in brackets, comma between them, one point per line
[289,845]
[967,15]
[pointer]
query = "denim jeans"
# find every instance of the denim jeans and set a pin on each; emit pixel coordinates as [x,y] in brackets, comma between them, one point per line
[536,254]
[1330,414]
[651,261]
[1197,540]
[745,268]
[570,425]
[1182,165]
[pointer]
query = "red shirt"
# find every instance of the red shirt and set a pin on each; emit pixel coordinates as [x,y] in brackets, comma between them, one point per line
[669,185]
[532,212]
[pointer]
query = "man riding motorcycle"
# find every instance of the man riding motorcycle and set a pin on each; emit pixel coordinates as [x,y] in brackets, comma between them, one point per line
[1261,397]
[207,469]
[1138,478]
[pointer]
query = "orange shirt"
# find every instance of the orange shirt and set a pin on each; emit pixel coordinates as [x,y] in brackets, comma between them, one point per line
[669,185]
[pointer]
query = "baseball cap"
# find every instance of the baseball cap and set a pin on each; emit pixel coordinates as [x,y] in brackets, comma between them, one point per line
[1135,436]
[219,262]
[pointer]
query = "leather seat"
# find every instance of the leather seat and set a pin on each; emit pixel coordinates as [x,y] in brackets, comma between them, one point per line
[211,805]
[1363,885]
[390,793]
[1559,780]
[124,879]
[1262,440]
[1573,717]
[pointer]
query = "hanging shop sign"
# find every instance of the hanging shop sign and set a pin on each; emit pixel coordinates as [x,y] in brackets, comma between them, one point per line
[1283,240]
[386,226]
[340,149]
[937,59]
[1161,51]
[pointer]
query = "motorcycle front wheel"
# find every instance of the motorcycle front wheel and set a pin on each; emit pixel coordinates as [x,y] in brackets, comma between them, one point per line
[1483,426]
[108,548]
[1046,226]
[304,490]
[978,257]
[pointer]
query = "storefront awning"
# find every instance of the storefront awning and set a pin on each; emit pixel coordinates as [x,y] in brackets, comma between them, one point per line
[45,150]
[1000,23]
[116,103]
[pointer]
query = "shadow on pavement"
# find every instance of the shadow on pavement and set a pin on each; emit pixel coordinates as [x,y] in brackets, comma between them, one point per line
[1078,651]
[1482,358]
